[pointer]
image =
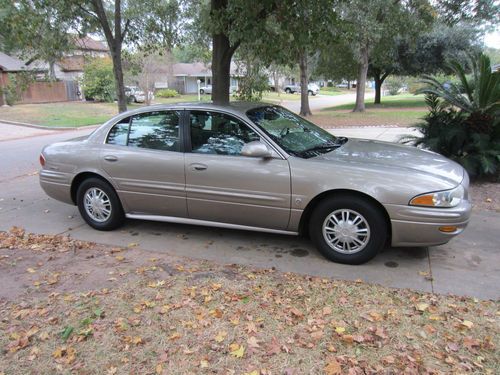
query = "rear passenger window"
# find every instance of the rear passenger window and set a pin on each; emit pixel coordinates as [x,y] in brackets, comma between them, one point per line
[157,130]
[118,134]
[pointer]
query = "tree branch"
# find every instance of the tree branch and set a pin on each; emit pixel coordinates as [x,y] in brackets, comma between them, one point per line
[125,29]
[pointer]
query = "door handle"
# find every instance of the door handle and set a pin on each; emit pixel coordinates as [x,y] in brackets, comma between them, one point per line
[110,158]
[198,167]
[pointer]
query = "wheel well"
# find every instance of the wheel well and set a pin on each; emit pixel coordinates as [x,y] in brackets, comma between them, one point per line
[304,219]
[79,178]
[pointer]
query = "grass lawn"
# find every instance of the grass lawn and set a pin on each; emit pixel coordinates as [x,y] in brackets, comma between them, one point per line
[401,110]
[75,114]
[397,101]
[333,91]
[74,307]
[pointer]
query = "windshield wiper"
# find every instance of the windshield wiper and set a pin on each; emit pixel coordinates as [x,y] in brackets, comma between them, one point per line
[327,146]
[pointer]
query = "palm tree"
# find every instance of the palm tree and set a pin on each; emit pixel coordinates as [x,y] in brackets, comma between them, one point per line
[478,95]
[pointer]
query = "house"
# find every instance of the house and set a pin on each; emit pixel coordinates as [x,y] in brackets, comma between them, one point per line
[9,65]
[186,76]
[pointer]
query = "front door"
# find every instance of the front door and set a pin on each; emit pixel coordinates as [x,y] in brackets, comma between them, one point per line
[224,186]
[144,159]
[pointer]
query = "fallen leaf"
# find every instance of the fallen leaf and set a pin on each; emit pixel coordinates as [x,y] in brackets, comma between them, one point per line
[333,368]
[221,336]
[467,323]
[238,352]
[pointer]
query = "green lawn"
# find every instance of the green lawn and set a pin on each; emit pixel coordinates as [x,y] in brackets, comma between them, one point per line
[333,91]
[400,110]
[75,114]
[398,101]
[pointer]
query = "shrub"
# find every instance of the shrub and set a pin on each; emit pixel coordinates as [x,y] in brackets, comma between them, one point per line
[98,80]
[166,93]
[394,84]
[463,122]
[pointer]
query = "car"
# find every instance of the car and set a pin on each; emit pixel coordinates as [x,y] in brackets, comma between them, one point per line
[260,167]
[207,89]
[134,94]
[312,89]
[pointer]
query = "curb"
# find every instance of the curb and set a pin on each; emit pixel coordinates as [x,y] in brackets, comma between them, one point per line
[42,127]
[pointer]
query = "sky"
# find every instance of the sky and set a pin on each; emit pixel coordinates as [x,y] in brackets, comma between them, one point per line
[492,39]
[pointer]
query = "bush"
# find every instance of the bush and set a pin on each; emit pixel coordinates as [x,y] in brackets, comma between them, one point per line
[98,80]
[464,118]
[166,93]
[447,131]
[394,84]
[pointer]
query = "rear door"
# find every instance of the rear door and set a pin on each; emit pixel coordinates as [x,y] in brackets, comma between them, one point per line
[224,186]
[143,156]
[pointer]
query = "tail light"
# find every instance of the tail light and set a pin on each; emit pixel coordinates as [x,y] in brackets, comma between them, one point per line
[42,160]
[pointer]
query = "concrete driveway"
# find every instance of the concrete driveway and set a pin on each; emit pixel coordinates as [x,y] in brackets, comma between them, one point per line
[469,265]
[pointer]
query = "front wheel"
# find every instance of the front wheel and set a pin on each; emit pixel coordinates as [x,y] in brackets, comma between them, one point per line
[202,91]
[348,229]
[288,90]
[99,205]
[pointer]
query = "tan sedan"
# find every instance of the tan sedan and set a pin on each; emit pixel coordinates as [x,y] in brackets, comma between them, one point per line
[259,167]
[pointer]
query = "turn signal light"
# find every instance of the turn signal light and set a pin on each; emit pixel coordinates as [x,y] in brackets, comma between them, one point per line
[448,229]
[42,160]
[423,200]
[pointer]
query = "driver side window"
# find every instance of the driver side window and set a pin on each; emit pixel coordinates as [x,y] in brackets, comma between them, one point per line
[218,133]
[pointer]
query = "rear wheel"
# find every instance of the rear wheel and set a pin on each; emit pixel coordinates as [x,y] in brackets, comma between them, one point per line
[99,205]
[202,91]
[310,93]
[288,90]
[348,229]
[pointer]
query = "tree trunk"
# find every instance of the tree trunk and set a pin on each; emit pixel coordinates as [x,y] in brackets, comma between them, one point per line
[305,110]
[52,71]
[348,85]
[361,84]
[379,79]
[276,82]
[222,52]
[115,46]
[116,55]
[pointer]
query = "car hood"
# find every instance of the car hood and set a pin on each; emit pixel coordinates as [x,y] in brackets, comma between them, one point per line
[395,156]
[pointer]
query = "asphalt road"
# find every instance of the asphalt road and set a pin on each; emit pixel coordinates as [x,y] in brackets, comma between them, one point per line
[468,265]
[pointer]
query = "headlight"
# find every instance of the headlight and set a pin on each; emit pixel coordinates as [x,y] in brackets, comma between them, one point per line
[446,198]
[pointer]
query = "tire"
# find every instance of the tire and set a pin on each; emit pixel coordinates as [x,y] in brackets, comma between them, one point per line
[202,91]
[133,99]
[288,91]
[93,187]
[369,222]
[310,93]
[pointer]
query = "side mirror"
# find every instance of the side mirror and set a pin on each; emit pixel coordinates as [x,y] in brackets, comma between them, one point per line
[256,149]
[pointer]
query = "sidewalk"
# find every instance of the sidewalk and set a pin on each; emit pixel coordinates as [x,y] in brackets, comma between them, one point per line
[10,132]
[380,133]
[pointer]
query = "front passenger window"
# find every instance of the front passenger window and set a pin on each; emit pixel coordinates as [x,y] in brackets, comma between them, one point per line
[218,133]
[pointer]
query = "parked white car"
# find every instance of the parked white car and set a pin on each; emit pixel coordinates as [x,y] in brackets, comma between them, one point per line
[312,89]
[208,89]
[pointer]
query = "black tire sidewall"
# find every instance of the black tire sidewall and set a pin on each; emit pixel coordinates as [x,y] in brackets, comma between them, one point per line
[117,216]
[372,214]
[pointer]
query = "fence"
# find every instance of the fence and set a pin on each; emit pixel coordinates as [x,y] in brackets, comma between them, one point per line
[48,92]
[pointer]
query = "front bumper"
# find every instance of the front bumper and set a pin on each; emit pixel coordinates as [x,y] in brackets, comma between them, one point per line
[419,226]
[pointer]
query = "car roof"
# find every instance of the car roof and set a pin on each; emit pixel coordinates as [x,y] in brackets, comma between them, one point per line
[233,107]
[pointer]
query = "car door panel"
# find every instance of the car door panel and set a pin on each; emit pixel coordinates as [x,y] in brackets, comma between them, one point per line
[149,181]
[236,189]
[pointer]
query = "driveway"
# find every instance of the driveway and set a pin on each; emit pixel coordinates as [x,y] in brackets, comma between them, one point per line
[469,265]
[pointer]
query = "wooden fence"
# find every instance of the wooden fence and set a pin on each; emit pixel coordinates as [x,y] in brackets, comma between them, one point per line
[47,92]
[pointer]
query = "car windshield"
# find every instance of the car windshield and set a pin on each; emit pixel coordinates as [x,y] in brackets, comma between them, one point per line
[294,134]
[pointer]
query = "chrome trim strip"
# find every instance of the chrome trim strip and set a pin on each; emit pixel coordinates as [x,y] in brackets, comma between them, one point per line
[183,220]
